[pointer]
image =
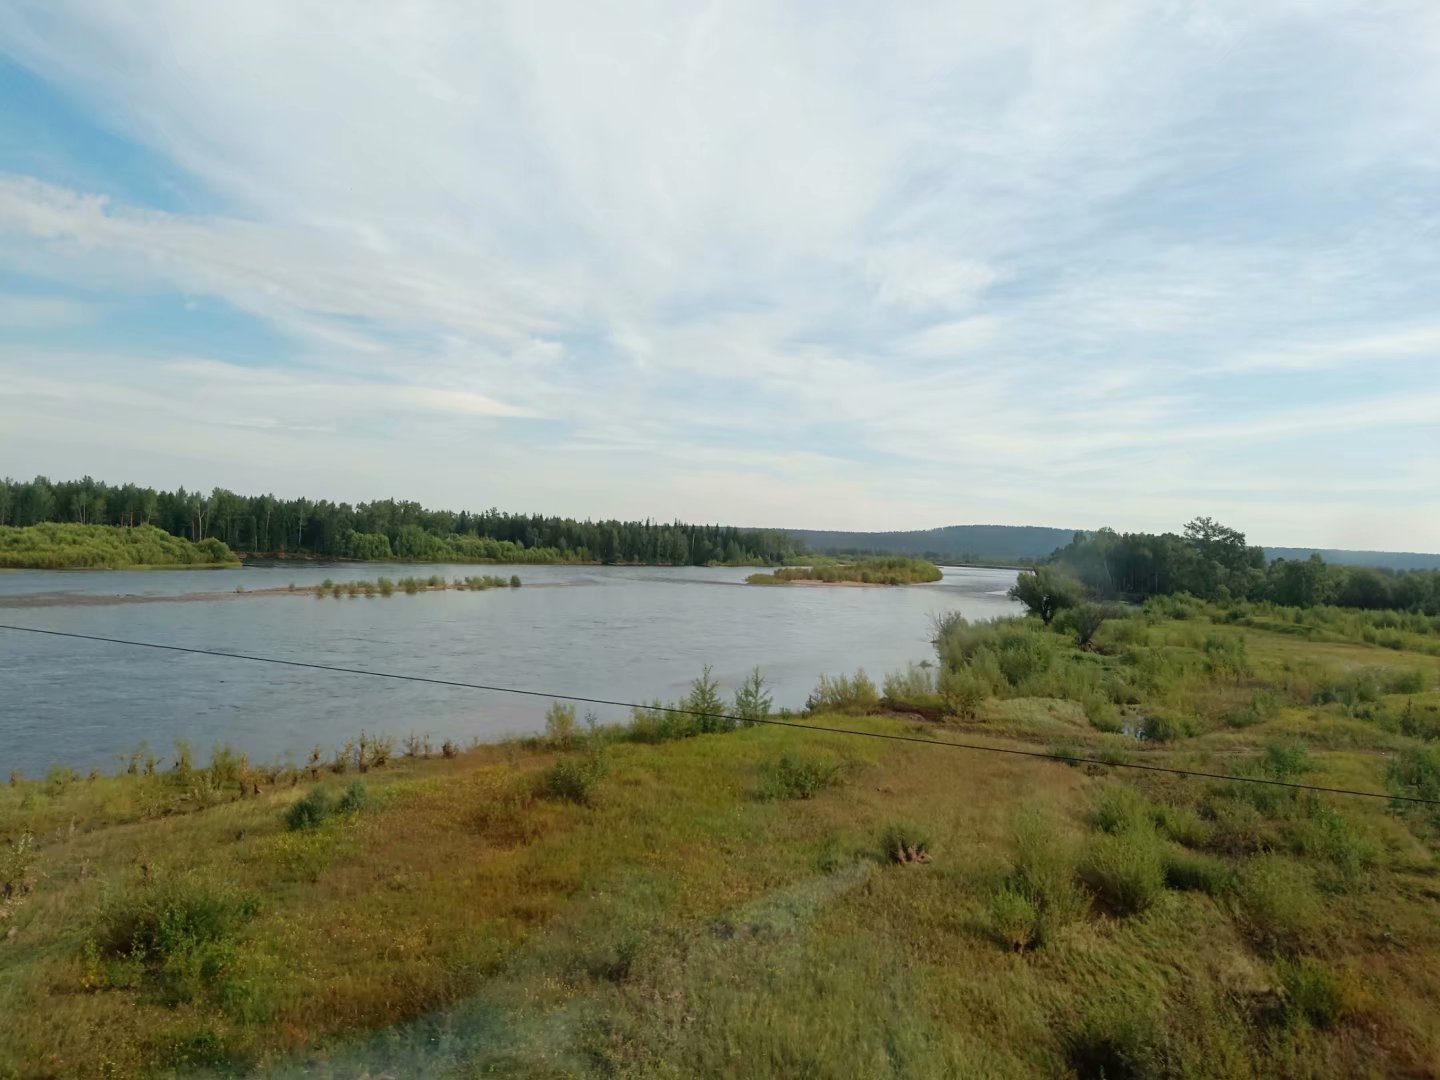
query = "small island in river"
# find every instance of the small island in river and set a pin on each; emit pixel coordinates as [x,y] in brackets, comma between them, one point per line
[879,571]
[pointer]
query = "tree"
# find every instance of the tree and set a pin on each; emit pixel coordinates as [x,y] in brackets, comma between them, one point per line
[752,700]
[1045,591]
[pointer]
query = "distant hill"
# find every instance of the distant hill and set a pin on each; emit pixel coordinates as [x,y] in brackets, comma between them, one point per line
[953,543]
[1025,543]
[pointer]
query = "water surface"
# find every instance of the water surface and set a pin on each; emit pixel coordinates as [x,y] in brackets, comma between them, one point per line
[624,633]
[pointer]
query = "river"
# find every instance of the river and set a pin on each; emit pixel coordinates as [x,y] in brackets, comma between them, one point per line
[623,633]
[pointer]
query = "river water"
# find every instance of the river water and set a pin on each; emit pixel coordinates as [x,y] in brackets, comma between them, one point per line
[623,633]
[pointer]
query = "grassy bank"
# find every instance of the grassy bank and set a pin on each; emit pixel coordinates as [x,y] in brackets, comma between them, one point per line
[691,896]
[108,547]
[879,571]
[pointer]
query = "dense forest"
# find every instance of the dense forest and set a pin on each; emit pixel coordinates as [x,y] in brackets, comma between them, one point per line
[385,529]
[1214,562]
[1024,544]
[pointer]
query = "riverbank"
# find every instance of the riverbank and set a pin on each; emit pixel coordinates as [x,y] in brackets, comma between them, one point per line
[602,903]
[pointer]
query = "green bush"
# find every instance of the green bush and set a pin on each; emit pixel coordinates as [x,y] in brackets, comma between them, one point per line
[1183,825]
[963,691]
[1044,876]
[560,725]
[179,933]
[1014,917]
[1415,773]
[1276,900]
[1284,760]
[1118,1041]
[1161,725]
[905,842]
[17,869]
[573,779]
[842,693]
[355,798]
[1102,713]
[1312,993]
[916,684]
[310,811]
[1194,871]
[1121,808]
[796,776]
[1126,870]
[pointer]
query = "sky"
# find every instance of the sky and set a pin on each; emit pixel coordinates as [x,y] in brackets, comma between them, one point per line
[822,264]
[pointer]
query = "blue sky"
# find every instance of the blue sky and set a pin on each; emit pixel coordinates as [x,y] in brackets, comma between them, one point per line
[832,265]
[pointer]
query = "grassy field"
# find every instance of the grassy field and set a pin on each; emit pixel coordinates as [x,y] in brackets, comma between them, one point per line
[765,901]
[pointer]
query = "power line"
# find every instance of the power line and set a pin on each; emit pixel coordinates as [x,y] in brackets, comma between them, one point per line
[1066,758]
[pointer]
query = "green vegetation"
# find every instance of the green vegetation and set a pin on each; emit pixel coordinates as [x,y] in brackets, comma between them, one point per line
[412,585]
[385,530]
[687,894]
[95,547]
[885,571]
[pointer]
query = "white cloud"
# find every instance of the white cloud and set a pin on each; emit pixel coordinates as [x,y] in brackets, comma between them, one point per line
[853,265]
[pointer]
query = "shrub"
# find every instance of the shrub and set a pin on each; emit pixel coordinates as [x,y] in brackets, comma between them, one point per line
[1125,870]
[17,870]
[1121,808]
[854,693]
[355,799]
[1276,900]
[1194,871]
[1405,682]
[963,691]
[1102,713]
[1161,725]
[905,843]
[1284,760]
[915,684]
[1183,825]
[448,749]
[1014,917]
[1312,993]
[560,725]
[573,779]
[795,776]
[310,811]
[1084,621]
[1117,1041]
[1044,875]
[1415,773]
[178,932]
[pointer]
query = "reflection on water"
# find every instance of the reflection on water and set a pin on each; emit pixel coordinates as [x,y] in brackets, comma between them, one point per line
[625,633]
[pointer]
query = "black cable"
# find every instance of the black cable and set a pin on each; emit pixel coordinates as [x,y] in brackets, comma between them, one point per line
[726,716]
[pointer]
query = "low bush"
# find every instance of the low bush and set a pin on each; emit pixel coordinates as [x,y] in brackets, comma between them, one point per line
[905,843]
[1118,1041]
[1121,808]
[1183,825]
[916,684]
[355,798]
[1194,871]
[1125,870]
[796,776]
[17,870]
[1043,876]
[573,779]
[1276,900]
[1162,725]
[1311,993]
[843,693]
[560,725]
[178,933]
[1284,760]
[310,811]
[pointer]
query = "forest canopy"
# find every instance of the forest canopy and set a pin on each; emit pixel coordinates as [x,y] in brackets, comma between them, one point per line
[57,546]
[384,529]
[1214,562]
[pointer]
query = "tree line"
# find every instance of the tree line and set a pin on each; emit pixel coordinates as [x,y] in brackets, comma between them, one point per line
[1214,562]
[384,529]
